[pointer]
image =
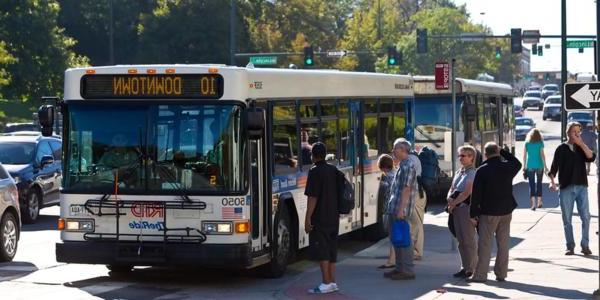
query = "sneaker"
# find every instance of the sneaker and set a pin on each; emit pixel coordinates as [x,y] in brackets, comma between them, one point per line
[335,286]
[570,252]
[322,289]
[500,279]
[460,274]
[402,276]
[586,251]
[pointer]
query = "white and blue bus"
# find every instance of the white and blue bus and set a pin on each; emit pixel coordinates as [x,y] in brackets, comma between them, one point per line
[205,165]
[484,111]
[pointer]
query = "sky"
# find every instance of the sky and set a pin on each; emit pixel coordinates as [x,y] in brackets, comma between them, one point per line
[542,15]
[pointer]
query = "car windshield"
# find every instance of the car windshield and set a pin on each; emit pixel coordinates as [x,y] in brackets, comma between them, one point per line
[533,94]
[551,88]
[524,122]
[155,149]
[580,116]
[554,100]
[15,153]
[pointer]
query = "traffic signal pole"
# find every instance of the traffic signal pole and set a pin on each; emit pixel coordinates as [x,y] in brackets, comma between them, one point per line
[564,73]
[597,68]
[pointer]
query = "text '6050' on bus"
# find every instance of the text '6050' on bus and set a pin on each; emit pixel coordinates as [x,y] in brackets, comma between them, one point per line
[204,165]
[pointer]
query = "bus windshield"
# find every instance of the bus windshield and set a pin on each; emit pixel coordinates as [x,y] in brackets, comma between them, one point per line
[155,148]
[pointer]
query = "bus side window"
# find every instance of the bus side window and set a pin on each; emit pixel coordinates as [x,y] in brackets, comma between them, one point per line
[371,130]
[329,130]
[285,138]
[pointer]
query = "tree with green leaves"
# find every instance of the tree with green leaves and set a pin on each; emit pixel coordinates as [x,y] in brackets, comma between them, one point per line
[88,22]
[187,31]
[39,46]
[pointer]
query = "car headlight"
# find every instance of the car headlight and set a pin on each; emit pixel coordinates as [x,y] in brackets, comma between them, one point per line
[86,225]
[16,179]
[217,227]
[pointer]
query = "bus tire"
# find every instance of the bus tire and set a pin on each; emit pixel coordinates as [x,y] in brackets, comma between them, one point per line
[282,245]
[119,269]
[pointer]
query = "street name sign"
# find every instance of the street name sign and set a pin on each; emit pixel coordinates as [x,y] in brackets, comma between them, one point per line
[580,44]
[530,36]
[263,60]
[442,75]
[582,96]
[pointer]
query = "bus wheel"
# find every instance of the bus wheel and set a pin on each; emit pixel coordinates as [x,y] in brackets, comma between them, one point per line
[119,269]
[282,245]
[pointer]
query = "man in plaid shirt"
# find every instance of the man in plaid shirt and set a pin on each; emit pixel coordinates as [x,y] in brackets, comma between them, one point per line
[400,206]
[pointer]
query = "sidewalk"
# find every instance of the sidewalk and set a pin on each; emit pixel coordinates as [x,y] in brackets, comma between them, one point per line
[538,267]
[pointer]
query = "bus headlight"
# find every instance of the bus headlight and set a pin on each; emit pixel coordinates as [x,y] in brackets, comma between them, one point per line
[217,227]
[80,225]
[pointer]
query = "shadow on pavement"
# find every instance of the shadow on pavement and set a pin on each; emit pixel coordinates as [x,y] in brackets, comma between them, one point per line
[44,222]
[521,192]
[16,269]
[569,267]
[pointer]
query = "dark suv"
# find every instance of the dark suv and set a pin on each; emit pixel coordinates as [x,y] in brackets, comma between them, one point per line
[34,162]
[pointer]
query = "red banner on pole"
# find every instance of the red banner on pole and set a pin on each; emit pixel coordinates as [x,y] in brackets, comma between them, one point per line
[442,75]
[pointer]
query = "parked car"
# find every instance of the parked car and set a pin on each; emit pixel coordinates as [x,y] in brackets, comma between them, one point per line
[552,108]
[34,162]
[12,127]
[518,110]
[523,126]
[582,117]
[10,219]
[533,99]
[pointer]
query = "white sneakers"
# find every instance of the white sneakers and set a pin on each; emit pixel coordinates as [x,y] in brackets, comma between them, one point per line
[325,288]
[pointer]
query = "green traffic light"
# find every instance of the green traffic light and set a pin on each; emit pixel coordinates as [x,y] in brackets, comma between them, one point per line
[308,62]
[498,56]
[392,61]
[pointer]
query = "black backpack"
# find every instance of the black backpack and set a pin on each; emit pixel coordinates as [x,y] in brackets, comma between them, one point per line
[345,195]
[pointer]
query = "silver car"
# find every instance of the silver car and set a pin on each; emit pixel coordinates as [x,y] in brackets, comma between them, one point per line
[10,221]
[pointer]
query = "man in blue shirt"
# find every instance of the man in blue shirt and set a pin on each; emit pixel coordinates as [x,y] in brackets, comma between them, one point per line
[400,206]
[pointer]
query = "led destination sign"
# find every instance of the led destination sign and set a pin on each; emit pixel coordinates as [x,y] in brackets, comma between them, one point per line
[134,86]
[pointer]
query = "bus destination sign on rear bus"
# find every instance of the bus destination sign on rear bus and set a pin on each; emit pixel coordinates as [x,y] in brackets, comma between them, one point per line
[143,86]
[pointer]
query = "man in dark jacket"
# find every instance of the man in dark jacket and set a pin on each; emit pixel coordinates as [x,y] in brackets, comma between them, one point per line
[569,162]
[492,203]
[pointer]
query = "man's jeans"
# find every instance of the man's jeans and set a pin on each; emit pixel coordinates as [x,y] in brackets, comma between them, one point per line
[568,196]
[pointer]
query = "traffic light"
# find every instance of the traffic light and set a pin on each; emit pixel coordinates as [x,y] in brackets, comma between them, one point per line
[540,50]
[498,53]
[515,41]
[309,58]
[534,49]
[394,58]
[421,40]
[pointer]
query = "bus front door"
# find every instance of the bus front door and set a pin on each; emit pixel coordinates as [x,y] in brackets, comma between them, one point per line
[259,213]
[358,145]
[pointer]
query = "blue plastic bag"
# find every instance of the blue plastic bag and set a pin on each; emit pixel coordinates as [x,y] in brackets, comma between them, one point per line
[400,234]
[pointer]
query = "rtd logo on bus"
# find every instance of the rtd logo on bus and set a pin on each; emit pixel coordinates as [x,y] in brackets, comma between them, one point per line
[147,210]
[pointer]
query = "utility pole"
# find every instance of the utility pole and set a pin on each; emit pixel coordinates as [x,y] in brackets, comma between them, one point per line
[597,68]
[232,17]
[564,73]
[111,33]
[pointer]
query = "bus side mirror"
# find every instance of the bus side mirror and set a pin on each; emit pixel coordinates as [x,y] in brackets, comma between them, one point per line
[471,112]
[46,119]
[255,121]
